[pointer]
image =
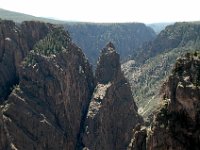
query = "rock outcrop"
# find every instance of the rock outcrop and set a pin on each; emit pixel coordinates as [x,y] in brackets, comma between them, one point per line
[15,43]
[46,109]
[138,141]
[176,126]
[50,98]
[112,112]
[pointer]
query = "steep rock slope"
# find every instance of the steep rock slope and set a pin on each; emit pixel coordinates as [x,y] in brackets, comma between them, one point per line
[55,105]
[15,43]
[146,78]
[176,125]
[126,36]
[181,34]
[176,122]
[46,109]
[112,112]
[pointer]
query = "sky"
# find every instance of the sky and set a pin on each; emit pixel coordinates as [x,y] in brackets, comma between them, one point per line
[146,11]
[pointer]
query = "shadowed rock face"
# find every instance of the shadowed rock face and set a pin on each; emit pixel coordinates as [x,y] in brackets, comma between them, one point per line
[112,112]
[46,109]
[138,142]
[15,43]
[176,125]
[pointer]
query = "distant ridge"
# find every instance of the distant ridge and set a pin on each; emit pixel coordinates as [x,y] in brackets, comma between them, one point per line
[20,17]
[126,36]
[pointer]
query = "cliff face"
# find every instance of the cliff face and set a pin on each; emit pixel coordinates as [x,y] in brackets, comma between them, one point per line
[180,34]
[15,43]
[176,125]
[46,109]
[93,36]
[54,104]
[146,79]
[112,112]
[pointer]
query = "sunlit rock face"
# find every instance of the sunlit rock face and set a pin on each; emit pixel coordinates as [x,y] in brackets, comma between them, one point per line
[176,126]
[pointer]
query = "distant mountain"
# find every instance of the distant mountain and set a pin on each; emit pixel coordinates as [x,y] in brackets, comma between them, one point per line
[154,63]
[157,27]
[20,17]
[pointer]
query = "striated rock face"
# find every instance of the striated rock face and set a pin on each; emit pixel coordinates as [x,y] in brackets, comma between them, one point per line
[176,125]
[112,113]
[15,43]
[47,108]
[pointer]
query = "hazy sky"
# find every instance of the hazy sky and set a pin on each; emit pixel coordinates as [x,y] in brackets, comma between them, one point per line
[147,11]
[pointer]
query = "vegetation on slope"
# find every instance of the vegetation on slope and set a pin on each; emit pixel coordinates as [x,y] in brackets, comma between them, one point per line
[182,34]
[146,79]
[176,124]
[54,42]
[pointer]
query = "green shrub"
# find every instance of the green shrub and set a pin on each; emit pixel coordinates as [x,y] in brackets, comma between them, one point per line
[54,42]
[29,60]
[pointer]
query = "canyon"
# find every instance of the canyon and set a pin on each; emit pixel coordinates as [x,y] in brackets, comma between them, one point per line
[51,97]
